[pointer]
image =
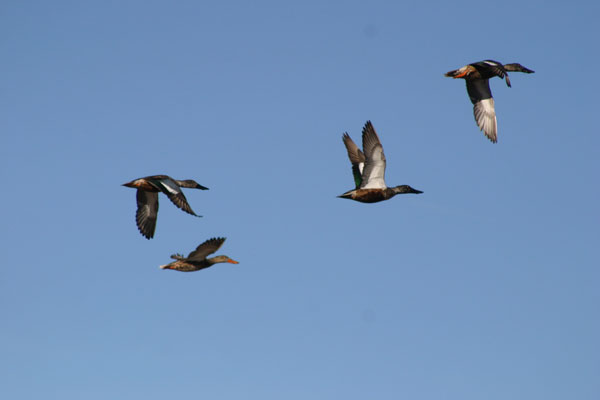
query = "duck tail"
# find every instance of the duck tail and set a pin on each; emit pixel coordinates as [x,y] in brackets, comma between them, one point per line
[347,195]
[451,74]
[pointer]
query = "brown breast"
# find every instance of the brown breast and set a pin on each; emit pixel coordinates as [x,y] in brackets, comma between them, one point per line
[370,195]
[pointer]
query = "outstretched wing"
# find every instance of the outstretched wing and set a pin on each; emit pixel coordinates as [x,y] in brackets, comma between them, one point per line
[373,176]
[206,248]
[174,193]
[357,158]
[147,211]
[478,89]
[485,116]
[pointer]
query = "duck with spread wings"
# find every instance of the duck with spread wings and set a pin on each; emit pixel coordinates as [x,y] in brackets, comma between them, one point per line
[197,260]
[368,168]
[147,199]
[477,76]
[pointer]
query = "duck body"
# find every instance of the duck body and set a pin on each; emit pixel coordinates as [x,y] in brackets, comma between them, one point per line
[368,169]
[477,76]
[377,195]
[147,199]
[161,183]
[197,260]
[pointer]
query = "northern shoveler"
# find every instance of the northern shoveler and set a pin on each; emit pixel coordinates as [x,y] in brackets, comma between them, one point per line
[477,77]
[368,169]
[147,199]
[197,260]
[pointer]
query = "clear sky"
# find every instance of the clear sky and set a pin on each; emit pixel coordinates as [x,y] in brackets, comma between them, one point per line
[483,287]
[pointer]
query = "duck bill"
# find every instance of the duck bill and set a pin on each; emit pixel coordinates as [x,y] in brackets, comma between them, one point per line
[166,266]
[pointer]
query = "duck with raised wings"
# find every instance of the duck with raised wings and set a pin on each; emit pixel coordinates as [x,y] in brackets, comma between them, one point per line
[368,168]
[147,199]
[197,260]
[477,76]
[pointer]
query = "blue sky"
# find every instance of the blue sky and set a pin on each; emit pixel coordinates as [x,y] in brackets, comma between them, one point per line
[484,286]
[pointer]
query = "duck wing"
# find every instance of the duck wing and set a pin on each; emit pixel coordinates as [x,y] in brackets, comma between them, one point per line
[373,176]
[357,158]
[206,248]
[147,211]
[172,190]
[478,89]
[485,116]
[483,107]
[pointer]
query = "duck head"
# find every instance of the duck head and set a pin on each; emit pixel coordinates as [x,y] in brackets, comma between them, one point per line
[405,189]
[222,259]
[190,183]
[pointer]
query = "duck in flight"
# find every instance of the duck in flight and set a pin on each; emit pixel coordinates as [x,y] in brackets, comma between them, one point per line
[368,168]
[477,77]
[147,199]
[197,260]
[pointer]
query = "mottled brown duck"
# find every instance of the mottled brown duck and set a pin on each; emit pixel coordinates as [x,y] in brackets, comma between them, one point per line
[147,199]
[477,76]
[197,260]
[368,168]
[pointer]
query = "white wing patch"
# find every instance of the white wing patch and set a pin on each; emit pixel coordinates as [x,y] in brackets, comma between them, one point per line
[374,170]
[170,186]
[485,116]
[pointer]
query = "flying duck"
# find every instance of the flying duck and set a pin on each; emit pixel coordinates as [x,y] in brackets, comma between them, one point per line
[197,260]
[477,76]
[368,168]
[147,199]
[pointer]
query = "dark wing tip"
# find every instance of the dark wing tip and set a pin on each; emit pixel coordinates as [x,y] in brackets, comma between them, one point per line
[146,231]
[367,130]
[347,140]
[370,139]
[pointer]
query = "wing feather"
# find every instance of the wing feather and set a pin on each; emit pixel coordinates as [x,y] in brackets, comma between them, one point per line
[147,211]
[357,158]
[206,248]
[485,116]
[373,176]
[174,193]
